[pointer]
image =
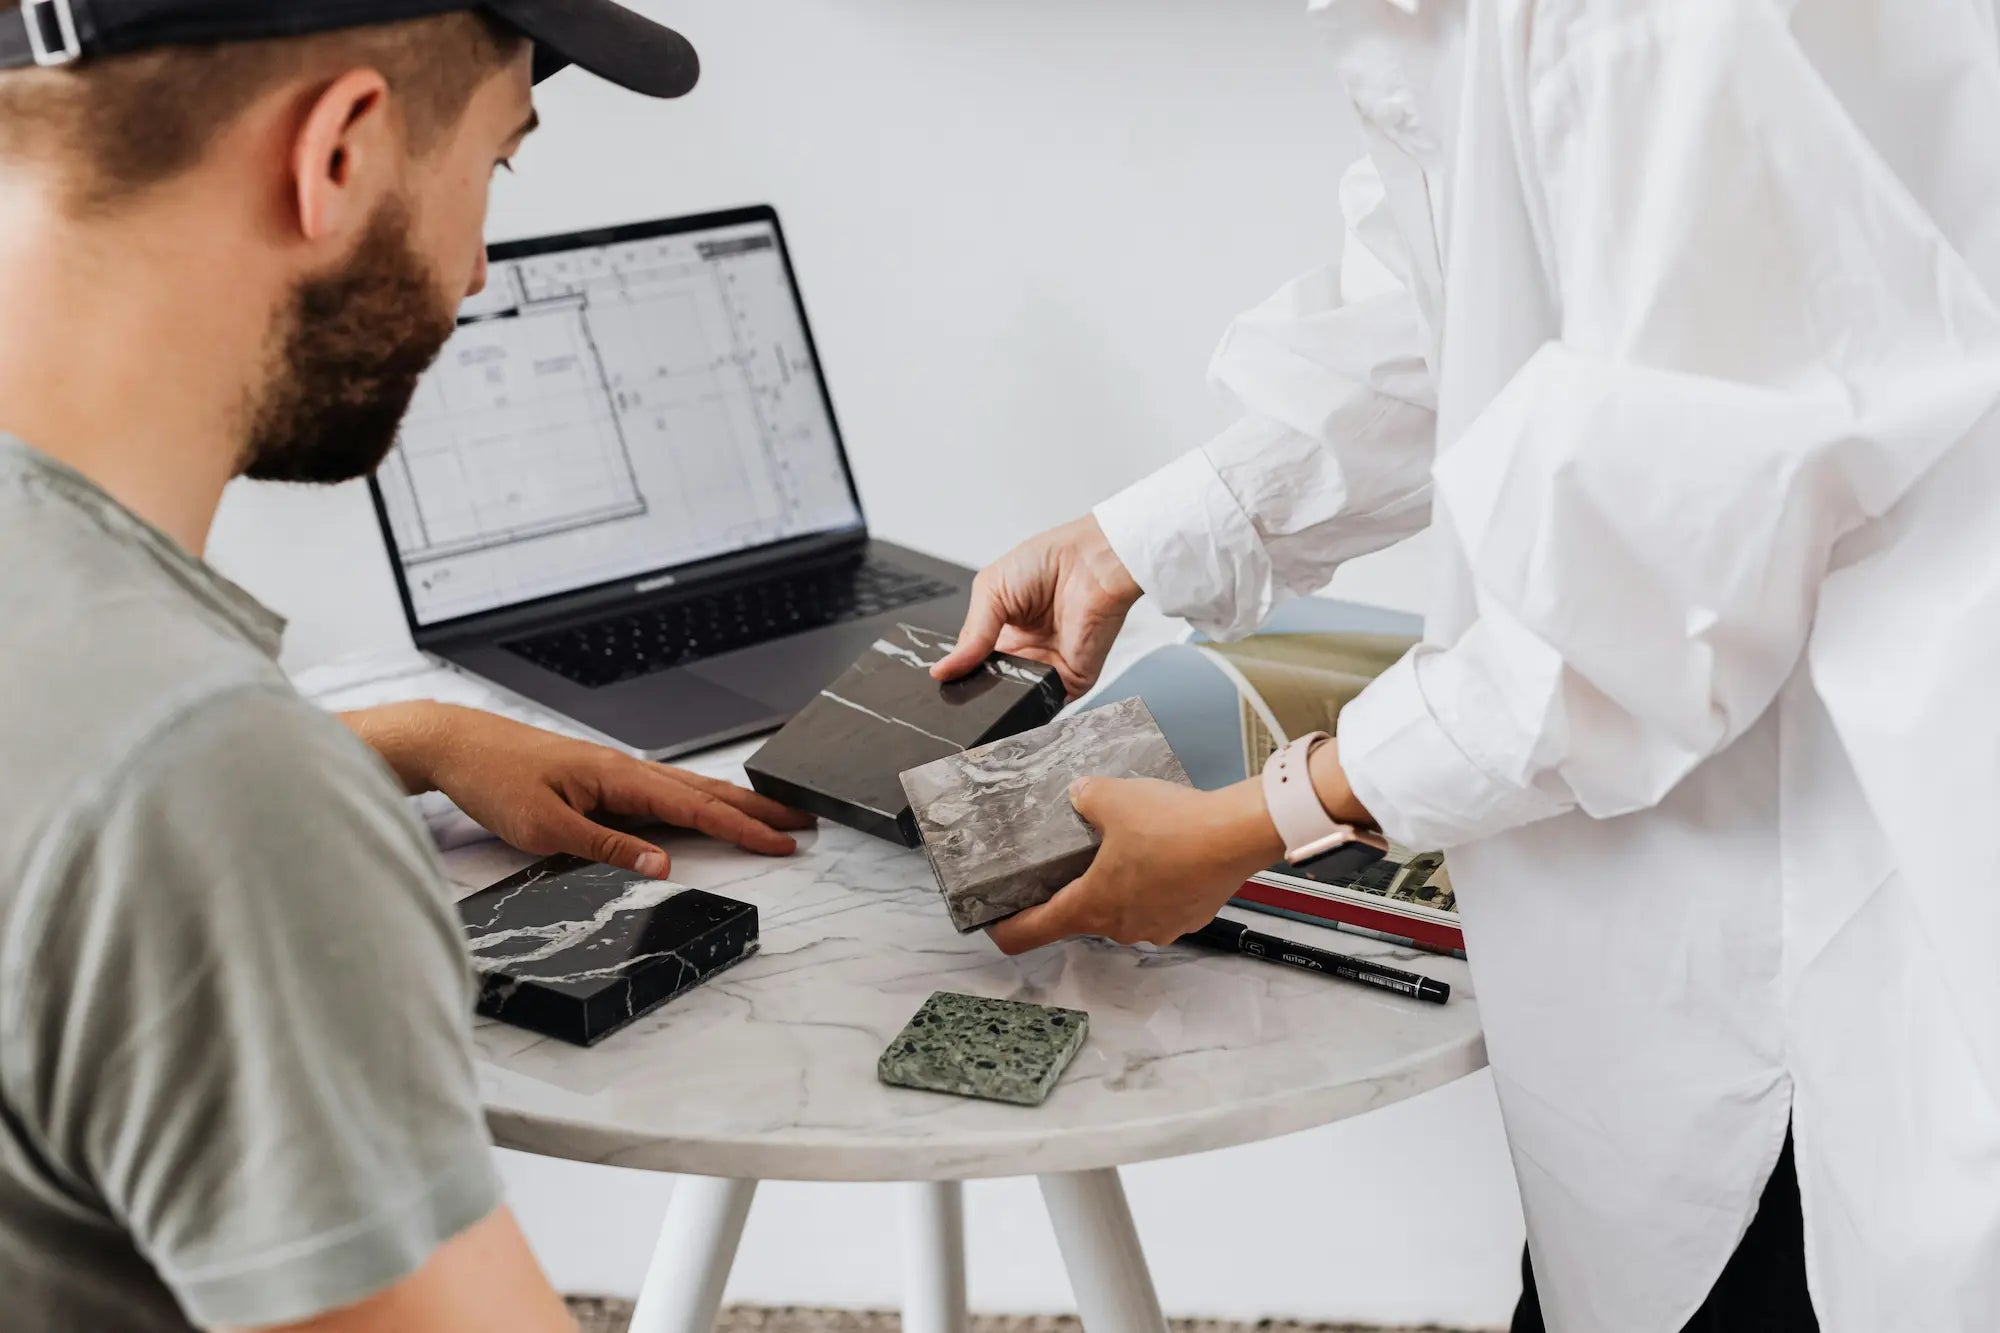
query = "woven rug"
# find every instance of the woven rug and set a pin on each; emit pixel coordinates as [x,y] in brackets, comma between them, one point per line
[600,1316]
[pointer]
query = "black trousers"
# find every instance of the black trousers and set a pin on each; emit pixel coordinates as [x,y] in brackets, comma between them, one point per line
[1763,1287]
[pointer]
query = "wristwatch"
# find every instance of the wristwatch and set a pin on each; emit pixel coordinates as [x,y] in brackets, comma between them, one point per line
[1308,830]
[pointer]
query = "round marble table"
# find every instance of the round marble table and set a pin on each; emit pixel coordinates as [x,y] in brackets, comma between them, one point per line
[767,1072]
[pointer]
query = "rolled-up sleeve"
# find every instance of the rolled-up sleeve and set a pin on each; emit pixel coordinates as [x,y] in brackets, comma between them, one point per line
[1765,342]
[1331,459]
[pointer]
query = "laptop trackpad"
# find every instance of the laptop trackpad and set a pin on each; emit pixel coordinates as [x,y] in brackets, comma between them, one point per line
[786,673]
[668,711]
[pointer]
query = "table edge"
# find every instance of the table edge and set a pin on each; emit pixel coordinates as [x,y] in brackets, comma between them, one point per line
[1030,1153]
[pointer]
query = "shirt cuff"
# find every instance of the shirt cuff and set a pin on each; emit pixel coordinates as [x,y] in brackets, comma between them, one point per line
[1413,773]
[1190,546]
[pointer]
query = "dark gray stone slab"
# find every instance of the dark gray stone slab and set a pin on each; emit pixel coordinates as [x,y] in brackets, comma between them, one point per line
[573,949]
[997,822]
[841,756]
[1000,1050]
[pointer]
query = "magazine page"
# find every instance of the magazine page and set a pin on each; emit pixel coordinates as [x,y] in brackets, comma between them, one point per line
[1416,880]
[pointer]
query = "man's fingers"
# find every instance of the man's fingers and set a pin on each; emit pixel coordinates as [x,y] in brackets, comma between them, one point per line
[754,804]
[651,791]
[983,623]
[579,835]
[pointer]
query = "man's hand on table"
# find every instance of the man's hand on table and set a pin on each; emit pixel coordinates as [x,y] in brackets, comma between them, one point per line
[1059,598]
[537,791]
[1171,857]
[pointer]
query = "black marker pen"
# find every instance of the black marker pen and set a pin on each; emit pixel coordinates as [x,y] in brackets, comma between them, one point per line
[1235,937]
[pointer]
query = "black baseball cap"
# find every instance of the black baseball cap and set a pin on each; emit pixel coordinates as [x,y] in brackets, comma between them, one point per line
[603,37]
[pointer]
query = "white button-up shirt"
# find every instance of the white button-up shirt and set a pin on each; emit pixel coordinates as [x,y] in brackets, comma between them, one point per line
[1678,320]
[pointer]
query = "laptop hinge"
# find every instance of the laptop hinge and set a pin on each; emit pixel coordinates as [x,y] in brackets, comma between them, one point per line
[579,608]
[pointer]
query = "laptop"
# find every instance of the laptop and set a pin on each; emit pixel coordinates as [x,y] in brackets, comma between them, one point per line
[621,493]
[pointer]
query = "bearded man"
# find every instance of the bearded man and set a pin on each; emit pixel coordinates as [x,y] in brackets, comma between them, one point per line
[236,1079]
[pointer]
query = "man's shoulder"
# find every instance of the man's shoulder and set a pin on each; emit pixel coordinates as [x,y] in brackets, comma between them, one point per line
[114,650]
[156,764]
[239,768]
[234,766]
[246,827]
[243,917]
[94,697]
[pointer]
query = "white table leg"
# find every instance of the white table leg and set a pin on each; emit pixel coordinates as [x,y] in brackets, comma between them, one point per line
[934,1258]
[697,1248]
[1100,1247]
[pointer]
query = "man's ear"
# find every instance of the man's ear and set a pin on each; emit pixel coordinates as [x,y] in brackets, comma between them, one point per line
[345,158]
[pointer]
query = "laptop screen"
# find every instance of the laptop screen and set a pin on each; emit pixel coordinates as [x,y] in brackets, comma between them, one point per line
[612,409]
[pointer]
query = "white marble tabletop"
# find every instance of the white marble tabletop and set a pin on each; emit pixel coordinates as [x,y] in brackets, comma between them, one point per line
[768,1071]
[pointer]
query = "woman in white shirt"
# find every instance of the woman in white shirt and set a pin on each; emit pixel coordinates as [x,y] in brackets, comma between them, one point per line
[1678,320]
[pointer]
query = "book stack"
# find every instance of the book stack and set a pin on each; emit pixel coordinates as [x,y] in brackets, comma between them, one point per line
[1402,897]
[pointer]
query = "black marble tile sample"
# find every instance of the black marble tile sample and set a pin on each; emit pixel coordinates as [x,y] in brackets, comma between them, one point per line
[841,756]
[970,1046]
[997,821]
[573,949]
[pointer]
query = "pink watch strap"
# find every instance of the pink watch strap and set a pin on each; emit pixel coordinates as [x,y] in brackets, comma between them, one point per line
[1307,829]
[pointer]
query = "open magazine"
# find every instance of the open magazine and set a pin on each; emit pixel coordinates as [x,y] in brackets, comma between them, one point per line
[1290,685]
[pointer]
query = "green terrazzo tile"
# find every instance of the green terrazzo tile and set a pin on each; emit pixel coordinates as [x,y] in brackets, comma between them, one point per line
[1001,1050]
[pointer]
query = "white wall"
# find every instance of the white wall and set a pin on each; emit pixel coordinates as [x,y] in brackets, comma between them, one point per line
[1020,227]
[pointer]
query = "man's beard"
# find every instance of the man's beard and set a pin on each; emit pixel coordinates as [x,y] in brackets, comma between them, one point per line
[352,347]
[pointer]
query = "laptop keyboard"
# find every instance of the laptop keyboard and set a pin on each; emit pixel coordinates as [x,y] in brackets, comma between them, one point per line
[676,634]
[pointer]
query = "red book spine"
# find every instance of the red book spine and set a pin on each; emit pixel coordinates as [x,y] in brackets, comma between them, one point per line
[1424,934]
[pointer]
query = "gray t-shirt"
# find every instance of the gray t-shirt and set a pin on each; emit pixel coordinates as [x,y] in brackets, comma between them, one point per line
[236,1082]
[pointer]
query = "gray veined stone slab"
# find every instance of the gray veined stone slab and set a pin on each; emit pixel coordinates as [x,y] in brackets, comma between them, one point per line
[997,822]
[1000,1050]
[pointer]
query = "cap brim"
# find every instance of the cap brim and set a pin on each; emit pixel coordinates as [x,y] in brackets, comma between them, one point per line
[607,39]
